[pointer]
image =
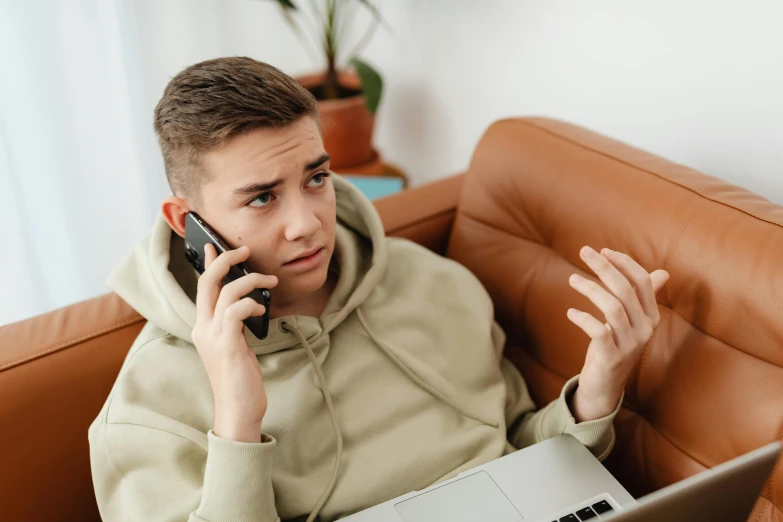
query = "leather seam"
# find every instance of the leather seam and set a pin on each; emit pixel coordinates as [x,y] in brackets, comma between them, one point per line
[528,240]
[766,508]
[424,219]
[464,214]
[770,504]
[659,176]
[735,348]
[673,248]
[645,351]
[678,448]
[669,254]
[70,343]
[670,441]
[525,291]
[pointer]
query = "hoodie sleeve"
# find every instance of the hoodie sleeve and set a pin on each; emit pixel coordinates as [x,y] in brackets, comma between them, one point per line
[528,426]
[147,474]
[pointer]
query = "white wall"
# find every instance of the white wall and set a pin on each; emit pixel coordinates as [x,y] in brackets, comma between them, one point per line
[698,82]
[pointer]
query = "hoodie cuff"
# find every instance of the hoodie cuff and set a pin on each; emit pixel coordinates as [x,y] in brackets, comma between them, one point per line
[598,434]
[238,481]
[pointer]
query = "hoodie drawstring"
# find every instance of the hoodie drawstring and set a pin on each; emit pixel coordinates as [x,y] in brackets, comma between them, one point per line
[332,416]
[421,383]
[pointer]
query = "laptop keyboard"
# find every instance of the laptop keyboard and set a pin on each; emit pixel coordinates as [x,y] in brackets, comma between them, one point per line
[587,513]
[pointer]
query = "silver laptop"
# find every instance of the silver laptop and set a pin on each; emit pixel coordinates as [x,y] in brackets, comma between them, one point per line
[560,480]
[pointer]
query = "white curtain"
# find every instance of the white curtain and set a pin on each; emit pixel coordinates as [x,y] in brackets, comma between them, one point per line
[80,175]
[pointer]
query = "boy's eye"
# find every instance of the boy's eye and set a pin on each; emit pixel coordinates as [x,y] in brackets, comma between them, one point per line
[261,200]
[318,180]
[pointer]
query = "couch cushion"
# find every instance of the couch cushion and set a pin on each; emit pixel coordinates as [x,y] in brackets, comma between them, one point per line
[709,386]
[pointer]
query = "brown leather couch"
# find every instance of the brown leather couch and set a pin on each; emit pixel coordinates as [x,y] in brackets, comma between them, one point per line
[708,388]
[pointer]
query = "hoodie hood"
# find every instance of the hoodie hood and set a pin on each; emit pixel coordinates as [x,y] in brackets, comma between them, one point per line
[157,281]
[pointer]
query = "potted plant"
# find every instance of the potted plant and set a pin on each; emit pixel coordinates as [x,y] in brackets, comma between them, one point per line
[347,96]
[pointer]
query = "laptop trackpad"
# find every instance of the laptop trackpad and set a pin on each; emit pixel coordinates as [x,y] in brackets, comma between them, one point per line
[475,498]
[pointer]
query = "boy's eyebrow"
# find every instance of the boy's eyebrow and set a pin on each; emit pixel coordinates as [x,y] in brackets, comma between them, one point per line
[255,188]
[320,160]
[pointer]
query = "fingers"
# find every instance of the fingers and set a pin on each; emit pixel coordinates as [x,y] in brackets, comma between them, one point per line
[211,281]
[612,308]
[646,285]
[238,312]
[595,329]
[210,254]
[617,283]
[659,278]
[235,290]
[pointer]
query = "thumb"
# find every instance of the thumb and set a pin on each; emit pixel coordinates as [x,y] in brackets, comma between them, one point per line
[659,278]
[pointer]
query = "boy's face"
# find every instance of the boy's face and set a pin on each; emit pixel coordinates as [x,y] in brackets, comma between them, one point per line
[270,189]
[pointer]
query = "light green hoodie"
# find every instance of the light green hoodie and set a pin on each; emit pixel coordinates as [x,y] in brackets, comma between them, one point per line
[400,384]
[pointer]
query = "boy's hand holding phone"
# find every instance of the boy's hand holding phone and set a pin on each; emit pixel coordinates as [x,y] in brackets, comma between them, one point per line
[232,367]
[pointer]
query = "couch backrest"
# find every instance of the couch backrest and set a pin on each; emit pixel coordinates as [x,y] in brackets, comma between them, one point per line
[709,386]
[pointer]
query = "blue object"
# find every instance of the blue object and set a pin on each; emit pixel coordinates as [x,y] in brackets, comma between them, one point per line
[375,187]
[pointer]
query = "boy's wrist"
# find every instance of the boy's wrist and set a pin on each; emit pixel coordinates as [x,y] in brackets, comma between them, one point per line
[239,432]
[586,408]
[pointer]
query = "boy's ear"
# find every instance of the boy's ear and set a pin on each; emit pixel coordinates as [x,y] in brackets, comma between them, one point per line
[174,210]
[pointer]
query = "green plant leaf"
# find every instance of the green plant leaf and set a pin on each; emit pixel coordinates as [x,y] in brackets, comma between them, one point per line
[287,4]
[372,84]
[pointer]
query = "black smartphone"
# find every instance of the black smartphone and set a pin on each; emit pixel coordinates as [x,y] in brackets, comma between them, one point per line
[198,234]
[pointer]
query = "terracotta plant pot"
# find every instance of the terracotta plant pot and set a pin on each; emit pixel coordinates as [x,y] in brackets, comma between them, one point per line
[374,167]
[346,122]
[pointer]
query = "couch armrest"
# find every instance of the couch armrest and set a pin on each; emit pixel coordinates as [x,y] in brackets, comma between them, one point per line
[56,371]
[423,214]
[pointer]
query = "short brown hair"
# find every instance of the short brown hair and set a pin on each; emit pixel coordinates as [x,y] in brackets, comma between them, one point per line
[209,102]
